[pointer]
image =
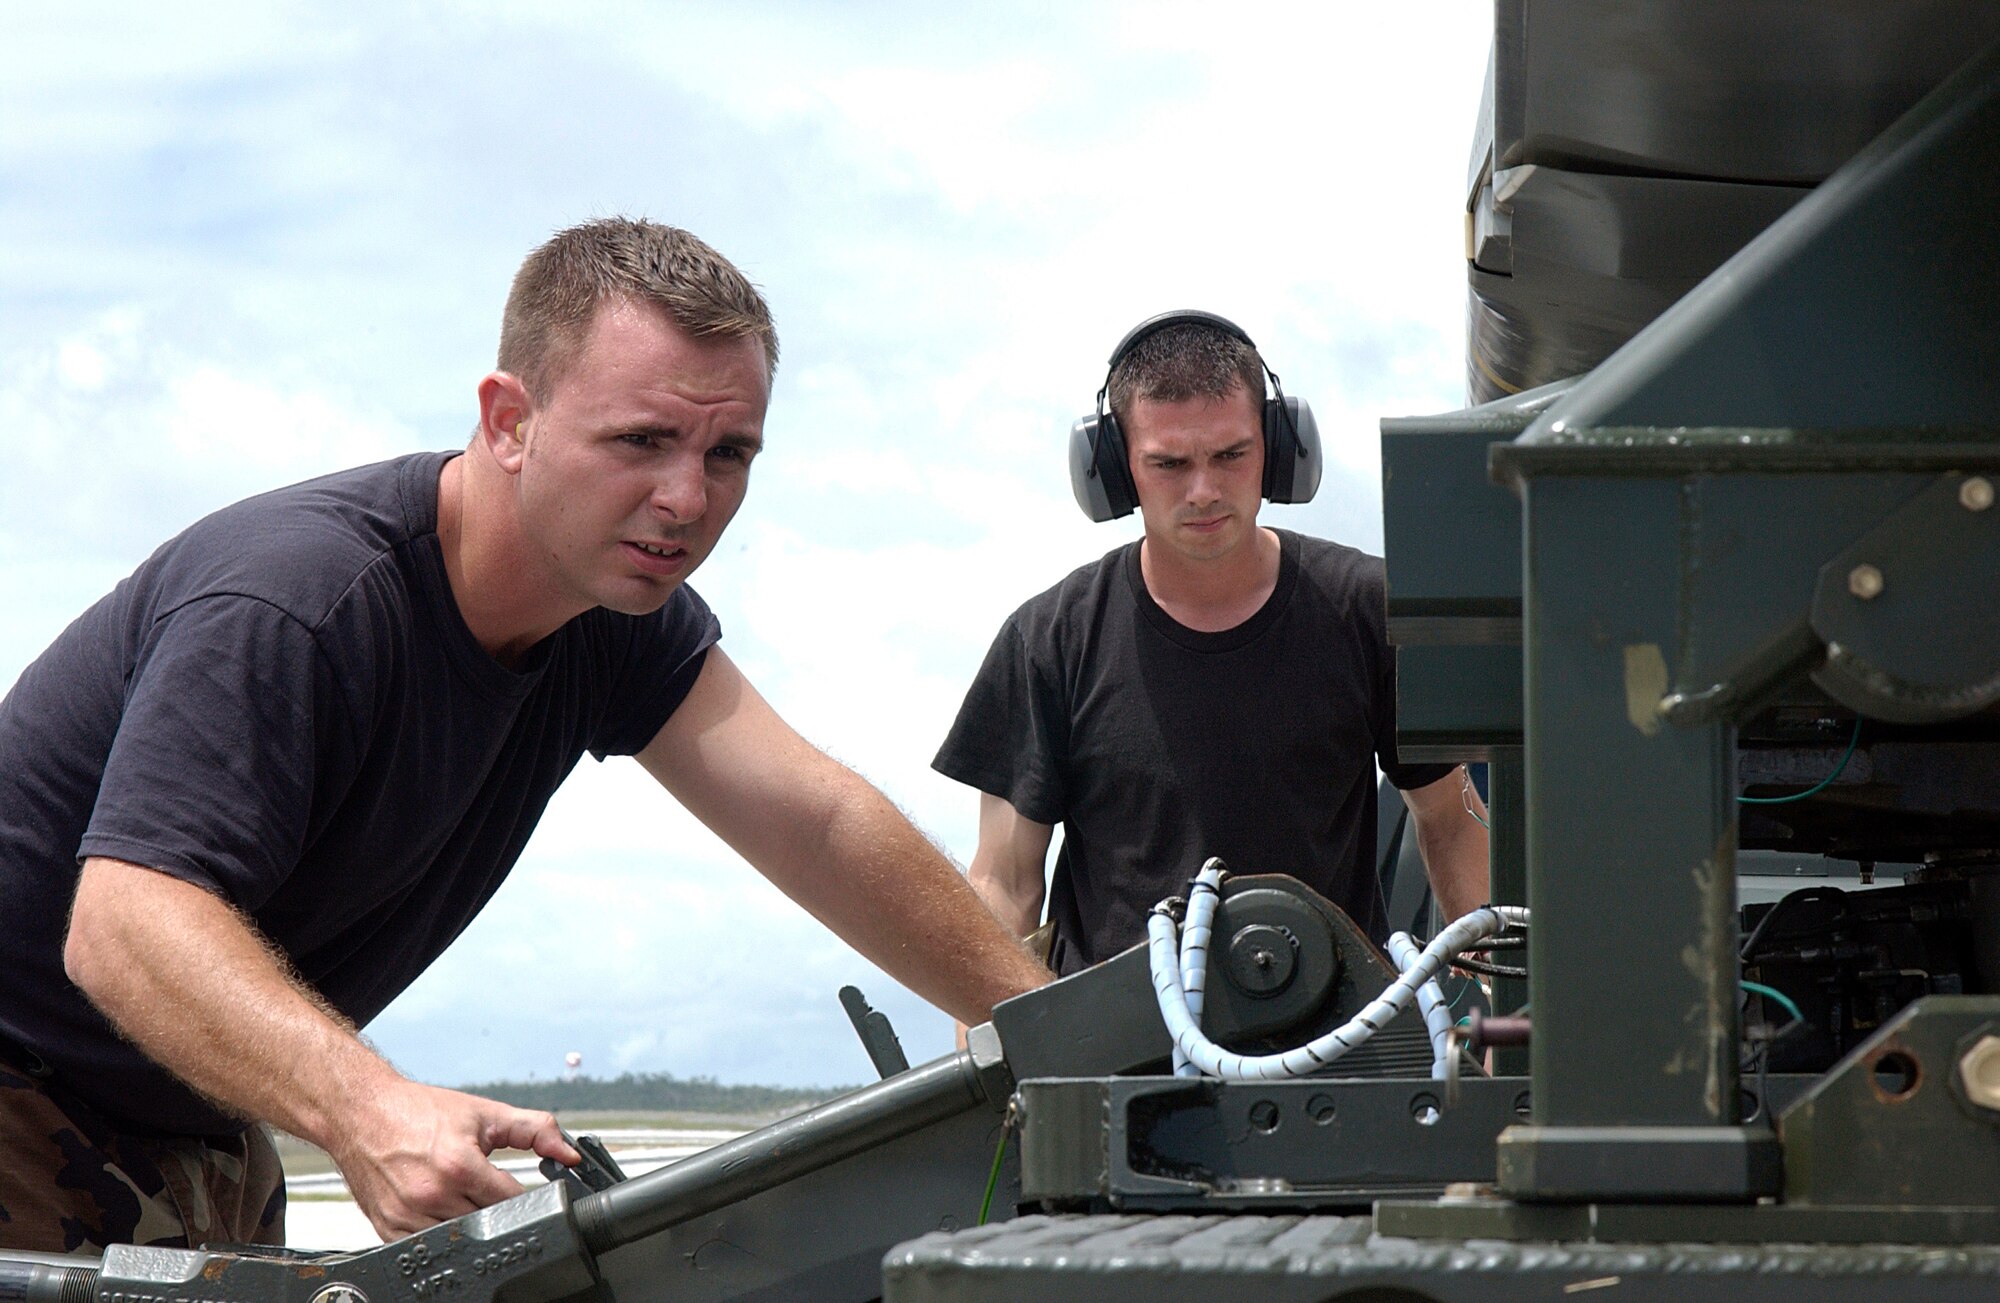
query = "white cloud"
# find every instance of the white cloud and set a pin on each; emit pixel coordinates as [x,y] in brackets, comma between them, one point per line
[119,400]
[80,366]
[118,438]
[214,416]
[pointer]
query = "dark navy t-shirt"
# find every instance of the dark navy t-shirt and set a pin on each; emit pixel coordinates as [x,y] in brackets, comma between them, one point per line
[284,707]
[1156,746]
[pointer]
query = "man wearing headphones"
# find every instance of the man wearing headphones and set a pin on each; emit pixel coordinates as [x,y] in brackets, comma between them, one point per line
[1218,688]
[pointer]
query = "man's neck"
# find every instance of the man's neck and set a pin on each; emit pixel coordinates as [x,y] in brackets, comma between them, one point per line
[485,569]
[1212,596]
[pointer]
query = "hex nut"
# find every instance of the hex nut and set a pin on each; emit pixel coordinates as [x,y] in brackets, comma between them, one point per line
[1865,582]
[1979,1073]
[1262,959]
[1976,494]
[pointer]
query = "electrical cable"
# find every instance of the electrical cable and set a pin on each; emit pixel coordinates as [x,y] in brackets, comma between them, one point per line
[1764,925]
[1818,787]
[1210,1059]
[1774,994]
[993,1177]
[1760,1063]
[1471,965]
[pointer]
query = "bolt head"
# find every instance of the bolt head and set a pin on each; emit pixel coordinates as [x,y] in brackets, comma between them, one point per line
[340,1293]
[1976,494]
[1865,582]
[1260,959]
[1979,1073]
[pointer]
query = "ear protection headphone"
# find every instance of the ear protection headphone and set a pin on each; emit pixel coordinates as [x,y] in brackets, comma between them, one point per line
[1100,471]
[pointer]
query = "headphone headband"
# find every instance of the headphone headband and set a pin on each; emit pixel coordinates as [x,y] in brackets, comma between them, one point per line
[1101,477]
[1181,317]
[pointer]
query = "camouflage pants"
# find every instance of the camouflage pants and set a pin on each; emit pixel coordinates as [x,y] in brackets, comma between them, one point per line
[72,1183]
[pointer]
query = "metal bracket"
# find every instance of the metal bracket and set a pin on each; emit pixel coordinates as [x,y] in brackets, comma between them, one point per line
[1316,1143]
[877,1036]
[1879,605]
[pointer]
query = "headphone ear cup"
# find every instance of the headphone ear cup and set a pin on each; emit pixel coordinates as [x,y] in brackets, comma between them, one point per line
[1098,473]
[1114,467]
[1292,458]
[1278,451]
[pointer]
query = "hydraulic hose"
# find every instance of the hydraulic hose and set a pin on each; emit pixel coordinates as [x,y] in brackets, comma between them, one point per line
[1437,1014]
[1212,1060]
[1194,951]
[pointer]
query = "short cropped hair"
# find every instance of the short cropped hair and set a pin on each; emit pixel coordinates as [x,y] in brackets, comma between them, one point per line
[559,287]
[1190,360]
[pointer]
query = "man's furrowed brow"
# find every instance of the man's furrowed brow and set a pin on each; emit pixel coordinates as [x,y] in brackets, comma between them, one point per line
[647,430]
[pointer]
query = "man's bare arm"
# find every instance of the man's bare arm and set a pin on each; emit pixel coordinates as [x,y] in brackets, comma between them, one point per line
[189,980]
[834,844]
[1006,870]
[1452,841]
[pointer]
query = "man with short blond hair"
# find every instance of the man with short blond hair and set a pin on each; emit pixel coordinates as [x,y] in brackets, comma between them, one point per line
[560,285]
[247,797]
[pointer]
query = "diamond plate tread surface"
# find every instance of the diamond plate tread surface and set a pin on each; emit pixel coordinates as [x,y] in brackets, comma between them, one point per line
[1166,1259]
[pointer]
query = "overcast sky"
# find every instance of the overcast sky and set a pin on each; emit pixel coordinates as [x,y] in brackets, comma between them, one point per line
[244,245]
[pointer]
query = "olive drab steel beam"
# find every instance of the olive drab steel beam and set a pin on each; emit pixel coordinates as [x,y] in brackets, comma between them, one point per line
[1683,506]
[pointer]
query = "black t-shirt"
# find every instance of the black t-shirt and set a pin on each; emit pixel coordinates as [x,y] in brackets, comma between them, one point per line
[284,707]
[1156,746]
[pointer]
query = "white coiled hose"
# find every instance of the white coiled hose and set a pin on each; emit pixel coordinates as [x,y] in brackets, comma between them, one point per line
[1430,998]
[1195,1054]
[1206,892]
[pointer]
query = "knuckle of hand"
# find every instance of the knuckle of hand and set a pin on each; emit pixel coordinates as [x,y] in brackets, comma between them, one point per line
[429,1191]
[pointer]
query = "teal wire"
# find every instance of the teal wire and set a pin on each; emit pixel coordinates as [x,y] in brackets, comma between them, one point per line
[1772,993]
[993,1177]
[1820,786]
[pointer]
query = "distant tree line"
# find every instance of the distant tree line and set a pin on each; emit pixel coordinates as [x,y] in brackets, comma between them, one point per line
[652,1092]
